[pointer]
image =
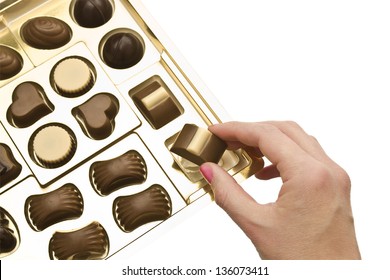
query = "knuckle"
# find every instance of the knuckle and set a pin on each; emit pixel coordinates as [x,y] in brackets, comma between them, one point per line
[292,124]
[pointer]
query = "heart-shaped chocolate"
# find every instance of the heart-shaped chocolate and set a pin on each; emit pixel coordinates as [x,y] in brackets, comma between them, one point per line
[97,115]
[29,104]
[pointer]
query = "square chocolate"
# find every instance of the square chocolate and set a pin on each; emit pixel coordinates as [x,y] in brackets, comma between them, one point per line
[156,102]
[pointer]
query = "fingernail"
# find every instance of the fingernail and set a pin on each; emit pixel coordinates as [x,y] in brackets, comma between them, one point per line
[207,172]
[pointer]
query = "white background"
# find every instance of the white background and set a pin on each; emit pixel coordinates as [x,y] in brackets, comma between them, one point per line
[323,64]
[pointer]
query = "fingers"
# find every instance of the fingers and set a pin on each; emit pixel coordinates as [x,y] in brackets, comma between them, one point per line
[268,172]
[283,152]
[307,142]
[230,196]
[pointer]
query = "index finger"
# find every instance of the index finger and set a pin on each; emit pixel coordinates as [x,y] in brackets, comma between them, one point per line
[280,149]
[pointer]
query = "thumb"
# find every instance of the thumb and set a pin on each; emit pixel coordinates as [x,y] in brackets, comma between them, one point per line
[229,195]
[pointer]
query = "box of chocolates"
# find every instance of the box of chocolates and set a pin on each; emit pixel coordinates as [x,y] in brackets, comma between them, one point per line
[103,127]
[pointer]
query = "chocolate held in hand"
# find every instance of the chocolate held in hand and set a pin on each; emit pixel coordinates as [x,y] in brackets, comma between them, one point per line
[92,13]
[198,145]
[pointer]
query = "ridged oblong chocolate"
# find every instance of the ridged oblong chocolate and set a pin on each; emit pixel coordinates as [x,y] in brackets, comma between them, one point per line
[88,243]
[9,167]
[29,104]
[46,33]
[133,211]
[110,175]
[97,115]
[11,62]
[9,238]
[59,205]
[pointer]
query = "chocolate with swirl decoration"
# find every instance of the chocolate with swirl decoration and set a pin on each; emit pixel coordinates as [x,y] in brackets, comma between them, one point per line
[10,62]
[46,33]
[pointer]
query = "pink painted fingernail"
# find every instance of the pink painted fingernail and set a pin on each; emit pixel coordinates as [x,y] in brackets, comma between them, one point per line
[207,172]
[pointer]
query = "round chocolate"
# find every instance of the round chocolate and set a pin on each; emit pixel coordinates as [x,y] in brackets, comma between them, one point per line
[123,50]
[46,33]
[92,13]
[11,62]
[53,146]
[72,77]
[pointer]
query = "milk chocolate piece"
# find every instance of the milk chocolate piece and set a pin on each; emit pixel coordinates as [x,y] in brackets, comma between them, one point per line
[97,115]
[156,102]
[123,49]
[9,238]
[47,209]
[72,77]
[88,243]
[29,104]
[9,167]
[133,211]
[46,33]
[92,13]
[11,62]
[113,174]
[198,145]
[52,145]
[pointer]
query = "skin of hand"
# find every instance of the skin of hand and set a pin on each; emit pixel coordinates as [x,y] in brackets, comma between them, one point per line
[312,216]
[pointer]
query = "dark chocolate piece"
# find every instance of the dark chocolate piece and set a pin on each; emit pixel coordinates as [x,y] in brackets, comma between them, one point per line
[198,145]
[9,167]
[47,209]
[88,243]
[46,33]
[123,50]
[133,211]
[8,237]
[97,115]
[113,174]
[11,62]
[156,103]
[92,13]
[29,104]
